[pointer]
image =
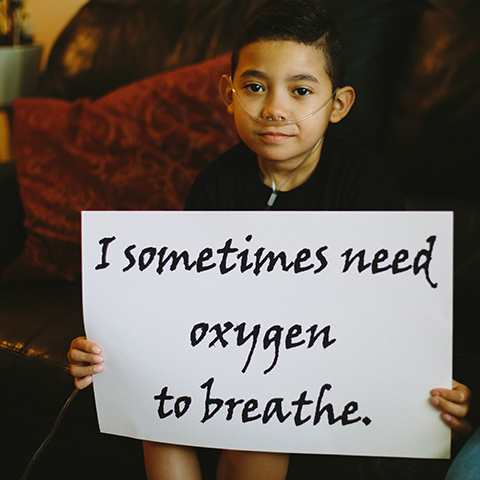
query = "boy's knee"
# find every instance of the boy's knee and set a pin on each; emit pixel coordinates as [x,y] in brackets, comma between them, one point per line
[242,461]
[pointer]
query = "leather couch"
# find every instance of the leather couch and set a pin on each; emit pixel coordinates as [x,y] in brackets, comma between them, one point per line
[414,65]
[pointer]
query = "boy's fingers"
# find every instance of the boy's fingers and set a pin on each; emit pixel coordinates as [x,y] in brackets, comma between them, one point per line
[84,382]
[80,358]
[460,427]
[458,410]
[81,343]
[85,361]
[80,372]
[458,394]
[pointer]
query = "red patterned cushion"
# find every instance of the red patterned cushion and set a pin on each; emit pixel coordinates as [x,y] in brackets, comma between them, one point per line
[138,148]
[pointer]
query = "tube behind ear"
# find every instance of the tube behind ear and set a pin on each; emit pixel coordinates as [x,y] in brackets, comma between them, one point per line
[342,103]
[226,92]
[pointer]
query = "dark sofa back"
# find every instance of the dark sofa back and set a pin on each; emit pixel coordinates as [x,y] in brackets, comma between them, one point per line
[413,64]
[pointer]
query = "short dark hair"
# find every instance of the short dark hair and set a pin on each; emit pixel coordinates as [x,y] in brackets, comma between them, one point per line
[302,21]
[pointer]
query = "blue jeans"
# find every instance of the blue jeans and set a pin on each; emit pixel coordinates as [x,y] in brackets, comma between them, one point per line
[466,465]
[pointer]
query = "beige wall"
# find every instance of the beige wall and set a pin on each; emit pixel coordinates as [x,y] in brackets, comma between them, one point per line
[48,18]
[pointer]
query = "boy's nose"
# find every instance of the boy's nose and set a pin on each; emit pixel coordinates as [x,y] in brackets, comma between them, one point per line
[275,110]
[272,118]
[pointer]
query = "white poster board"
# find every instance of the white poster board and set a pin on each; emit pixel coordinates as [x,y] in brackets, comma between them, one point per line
[313,332]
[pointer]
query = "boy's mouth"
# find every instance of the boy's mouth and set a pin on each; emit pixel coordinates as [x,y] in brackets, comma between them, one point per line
[274,137]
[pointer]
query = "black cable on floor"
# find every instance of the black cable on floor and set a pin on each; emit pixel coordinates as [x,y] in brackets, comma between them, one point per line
[50,435]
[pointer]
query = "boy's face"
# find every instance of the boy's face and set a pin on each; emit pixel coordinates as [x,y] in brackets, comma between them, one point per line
[280,81]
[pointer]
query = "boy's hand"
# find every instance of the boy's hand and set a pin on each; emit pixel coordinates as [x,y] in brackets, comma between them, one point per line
[85,361]
[454,405]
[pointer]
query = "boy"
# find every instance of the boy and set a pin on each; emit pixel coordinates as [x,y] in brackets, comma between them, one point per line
[285,89]
[287,65]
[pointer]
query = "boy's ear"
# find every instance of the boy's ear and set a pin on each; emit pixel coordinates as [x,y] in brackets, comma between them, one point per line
[225,88]
[342,103]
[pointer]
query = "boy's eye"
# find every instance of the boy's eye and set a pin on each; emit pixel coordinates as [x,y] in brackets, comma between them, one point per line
[302,91]
[253,88]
